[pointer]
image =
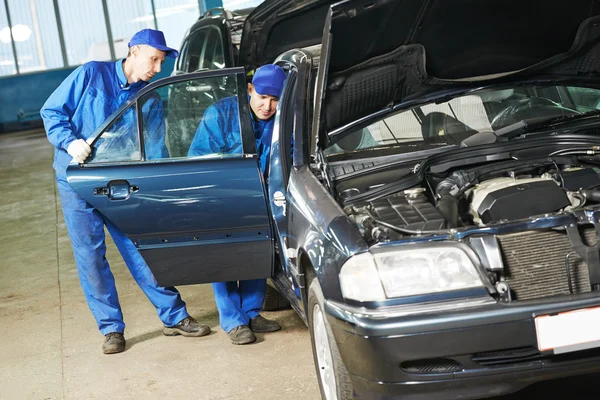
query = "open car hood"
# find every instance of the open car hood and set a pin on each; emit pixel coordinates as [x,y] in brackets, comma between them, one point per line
[380,53]
[377,53]
[276,26]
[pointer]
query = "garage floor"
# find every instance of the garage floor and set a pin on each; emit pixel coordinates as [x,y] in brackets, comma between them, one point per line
[50,347]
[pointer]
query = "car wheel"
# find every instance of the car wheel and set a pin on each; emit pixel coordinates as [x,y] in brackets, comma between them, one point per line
[273,299]
[332,375]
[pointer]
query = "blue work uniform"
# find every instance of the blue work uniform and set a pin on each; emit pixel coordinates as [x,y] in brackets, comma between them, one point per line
[219,132]
[83,101]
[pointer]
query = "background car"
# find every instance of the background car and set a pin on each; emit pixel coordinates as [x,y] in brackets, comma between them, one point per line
[213,42]
[436,222]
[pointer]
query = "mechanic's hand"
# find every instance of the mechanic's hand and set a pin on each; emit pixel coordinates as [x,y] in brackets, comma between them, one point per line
[79,150]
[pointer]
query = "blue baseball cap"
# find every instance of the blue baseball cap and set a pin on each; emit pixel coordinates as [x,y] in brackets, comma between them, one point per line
[155,39]
[268,80]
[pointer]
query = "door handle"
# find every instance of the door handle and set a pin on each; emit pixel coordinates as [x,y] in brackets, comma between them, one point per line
[117,190]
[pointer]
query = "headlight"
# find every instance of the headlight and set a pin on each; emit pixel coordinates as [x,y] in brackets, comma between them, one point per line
[408,271]
[359,279]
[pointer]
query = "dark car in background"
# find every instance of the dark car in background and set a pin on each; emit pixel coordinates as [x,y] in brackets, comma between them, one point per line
[436,221]
[213,41]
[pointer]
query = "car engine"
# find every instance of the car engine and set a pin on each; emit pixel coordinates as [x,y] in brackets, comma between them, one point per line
[478,197]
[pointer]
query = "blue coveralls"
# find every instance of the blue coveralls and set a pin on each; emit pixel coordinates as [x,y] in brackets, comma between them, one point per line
[219,132]
[83,101]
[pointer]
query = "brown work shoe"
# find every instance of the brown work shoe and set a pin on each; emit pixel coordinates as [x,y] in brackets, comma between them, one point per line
[241,335]
[187,327]
[114,342]
[260,324]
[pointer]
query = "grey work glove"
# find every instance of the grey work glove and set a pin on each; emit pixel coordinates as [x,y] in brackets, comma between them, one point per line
[79,150]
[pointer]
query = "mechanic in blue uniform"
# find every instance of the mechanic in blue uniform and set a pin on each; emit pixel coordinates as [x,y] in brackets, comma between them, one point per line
[239,303]
[82,102]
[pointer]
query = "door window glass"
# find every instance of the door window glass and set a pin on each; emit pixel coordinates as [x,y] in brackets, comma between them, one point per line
[120,141]
[193,118]
[187,119]
[213,57]
[193,51]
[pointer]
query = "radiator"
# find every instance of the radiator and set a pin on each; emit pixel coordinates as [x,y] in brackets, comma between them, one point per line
[534,263]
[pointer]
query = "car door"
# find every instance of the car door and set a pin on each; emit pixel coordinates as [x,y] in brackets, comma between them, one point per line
[198,216]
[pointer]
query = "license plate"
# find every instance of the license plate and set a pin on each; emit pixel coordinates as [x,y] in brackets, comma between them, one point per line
[569,331]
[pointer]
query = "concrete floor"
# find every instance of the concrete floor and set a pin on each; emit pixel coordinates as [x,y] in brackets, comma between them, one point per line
[50,347]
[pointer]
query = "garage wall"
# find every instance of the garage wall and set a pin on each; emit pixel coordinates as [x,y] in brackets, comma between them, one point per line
[22,96]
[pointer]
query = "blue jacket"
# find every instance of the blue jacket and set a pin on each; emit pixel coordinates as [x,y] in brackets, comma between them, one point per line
[219,132]
[86,98]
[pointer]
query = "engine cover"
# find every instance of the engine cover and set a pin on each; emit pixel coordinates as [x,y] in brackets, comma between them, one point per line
[511,199]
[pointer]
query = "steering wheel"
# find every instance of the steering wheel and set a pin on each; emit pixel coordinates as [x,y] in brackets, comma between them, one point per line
[533,108]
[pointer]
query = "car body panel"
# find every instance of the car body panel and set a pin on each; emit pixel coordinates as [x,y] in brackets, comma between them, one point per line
[171,216]
[383,354]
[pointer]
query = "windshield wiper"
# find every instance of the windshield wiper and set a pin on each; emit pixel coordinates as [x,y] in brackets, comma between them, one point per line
[523,128]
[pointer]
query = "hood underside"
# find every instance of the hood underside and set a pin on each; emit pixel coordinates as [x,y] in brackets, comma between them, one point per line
[276,26]
[395,51]
[377,53]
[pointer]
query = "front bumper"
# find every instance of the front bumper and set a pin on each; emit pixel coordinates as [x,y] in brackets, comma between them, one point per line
[468,353]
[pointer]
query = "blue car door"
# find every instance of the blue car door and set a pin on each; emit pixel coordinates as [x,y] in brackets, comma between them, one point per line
[195,216]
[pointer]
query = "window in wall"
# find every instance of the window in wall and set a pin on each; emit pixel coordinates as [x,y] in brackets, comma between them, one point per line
[127,18]
[174,17]
[36,35]
[7,59]
[239,4]
[85,38]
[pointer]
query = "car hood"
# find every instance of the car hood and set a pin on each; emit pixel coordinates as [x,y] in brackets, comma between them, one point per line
[279,25]
[379,53]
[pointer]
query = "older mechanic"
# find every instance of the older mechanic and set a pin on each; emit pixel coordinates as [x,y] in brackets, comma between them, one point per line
[83,101]
[239,303]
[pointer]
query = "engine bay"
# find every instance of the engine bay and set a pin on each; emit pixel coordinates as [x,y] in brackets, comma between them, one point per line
[477,197]
[524,219]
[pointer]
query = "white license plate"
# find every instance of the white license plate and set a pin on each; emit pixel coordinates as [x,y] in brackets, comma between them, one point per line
[569,331]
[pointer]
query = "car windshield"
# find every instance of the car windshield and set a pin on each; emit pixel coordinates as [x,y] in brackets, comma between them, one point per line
[450,122]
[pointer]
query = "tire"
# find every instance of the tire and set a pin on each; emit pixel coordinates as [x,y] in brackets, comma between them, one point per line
[334,380]
[273,299]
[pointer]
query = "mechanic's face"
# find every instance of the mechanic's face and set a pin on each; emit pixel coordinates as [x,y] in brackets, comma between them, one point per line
[263,106]
[146,62]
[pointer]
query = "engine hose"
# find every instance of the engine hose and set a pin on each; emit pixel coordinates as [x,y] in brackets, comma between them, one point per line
[447,193]
[592,195]
[447,206]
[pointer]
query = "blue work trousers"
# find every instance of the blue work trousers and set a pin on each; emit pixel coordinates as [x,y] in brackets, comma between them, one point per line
[86,231]
[238,302]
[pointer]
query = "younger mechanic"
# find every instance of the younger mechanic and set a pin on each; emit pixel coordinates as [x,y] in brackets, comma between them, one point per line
[83,101]
[239,303]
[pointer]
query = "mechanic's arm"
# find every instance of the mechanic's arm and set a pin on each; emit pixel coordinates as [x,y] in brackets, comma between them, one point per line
[58,110]
[154,129]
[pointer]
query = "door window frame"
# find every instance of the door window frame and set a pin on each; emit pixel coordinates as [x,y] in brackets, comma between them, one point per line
[246,131]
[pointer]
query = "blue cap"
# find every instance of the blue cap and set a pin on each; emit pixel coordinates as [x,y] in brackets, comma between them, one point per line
[153,38]
[268,80]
